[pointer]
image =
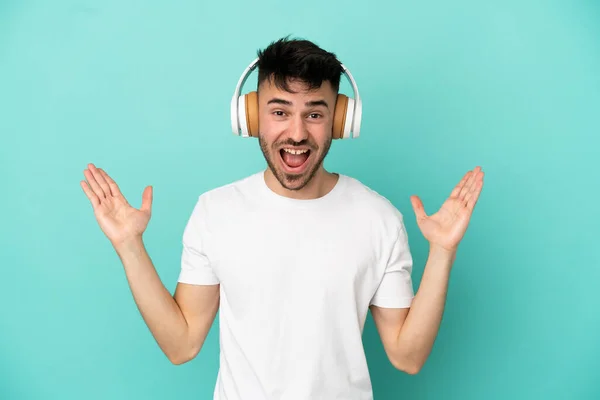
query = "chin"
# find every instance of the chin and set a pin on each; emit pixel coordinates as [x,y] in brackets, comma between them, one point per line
[294,182]
[294,166]
[293,177]
[297,176]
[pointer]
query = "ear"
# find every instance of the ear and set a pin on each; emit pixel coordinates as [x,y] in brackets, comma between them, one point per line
[252,113]
[339,116]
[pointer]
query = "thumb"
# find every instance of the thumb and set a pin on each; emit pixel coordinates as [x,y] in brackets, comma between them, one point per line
[417,205]
[147,199]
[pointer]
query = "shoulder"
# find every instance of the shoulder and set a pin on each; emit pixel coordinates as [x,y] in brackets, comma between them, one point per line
[216,206]
[372,204]
[238,190]
[358,192]
[226,199]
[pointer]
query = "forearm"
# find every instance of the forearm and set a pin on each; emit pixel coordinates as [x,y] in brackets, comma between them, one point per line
[420,329]
[156,305]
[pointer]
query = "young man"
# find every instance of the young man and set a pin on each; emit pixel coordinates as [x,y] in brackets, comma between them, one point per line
[294,256]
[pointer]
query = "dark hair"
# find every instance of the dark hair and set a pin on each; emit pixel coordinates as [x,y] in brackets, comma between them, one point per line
[300,59]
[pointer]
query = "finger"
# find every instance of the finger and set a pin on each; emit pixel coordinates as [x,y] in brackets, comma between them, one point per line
[474,194]
[468,185]
[90,194]
[417,205]
[114,188]
[460,185]
[100,179]
[147,200]
[91,180]
[465,188]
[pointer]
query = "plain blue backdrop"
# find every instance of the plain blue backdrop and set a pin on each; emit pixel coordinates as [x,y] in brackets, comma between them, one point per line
[142,89]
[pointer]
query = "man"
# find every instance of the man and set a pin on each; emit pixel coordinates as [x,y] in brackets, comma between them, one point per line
[293,256]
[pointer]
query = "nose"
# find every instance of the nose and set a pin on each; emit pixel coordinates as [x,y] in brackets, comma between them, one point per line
[298,131]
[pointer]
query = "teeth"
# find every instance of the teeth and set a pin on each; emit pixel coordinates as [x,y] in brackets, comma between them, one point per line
[293,151]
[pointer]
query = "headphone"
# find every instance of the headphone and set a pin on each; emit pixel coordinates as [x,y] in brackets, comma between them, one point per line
[244,110]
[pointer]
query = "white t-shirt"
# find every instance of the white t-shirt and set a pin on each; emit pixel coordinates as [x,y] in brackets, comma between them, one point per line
[297,278]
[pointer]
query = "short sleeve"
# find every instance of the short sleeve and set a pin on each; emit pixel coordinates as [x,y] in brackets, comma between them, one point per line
[195,264]
[395,289]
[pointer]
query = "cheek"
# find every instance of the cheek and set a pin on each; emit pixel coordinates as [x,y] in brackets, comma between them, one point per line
[268,140]
[270,128]
[321,134]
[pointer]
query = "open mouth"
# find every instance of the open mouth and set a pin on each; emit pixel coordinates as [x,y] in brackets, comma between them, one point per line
[294,160]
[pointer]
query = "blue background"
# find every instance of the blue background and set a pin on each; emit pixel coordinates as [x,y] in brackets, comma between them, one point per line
[142,89]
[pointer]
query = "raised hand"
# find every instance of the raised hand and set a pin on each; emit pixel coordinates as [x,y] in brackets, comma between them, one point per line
[447,227]
[118,220]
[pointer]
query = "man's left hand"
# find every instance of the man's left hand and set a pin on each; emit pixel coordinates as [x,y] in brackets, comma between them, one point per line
[446,228]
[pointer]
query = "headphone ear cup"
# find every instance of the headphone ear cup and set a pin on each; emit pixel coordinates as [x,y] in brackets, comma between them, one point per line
[252,113]
[339,116]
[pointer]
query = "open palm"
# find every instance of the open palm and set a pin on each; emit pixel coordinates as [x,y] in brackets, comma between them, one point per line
[117,218]
[448,225]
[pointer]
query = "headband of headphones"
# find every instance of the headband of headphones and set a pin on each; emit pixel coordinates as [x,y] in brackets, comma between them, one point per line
[244,109]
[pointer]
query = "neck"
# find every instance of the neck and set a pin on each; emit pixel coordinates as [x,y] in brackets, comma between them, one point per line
[320,184]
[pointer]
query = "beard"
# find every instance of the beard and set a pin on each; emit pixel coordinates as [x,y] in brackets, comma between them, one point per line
[274,160]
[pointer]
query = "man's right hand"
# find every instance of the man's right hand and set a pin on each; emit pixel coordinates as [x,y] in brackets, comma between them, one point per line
[119,221]
[178,322]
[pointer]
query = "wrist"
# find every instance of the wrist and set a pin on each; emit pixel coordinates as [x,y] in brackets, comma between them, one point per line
[442,254]
[129,244]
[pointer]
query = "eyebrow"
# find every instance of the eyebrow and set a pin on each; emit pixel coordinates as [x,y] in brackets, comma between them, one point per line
[315,103]
[279,101]
[312,103]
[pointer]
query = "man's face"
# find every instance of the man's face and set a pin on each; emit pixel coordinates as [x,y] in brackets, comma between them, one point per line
[295,130]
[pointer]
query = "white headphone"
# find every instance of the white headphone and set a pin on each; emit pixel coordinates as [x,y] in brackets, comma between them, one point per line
[244,110]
